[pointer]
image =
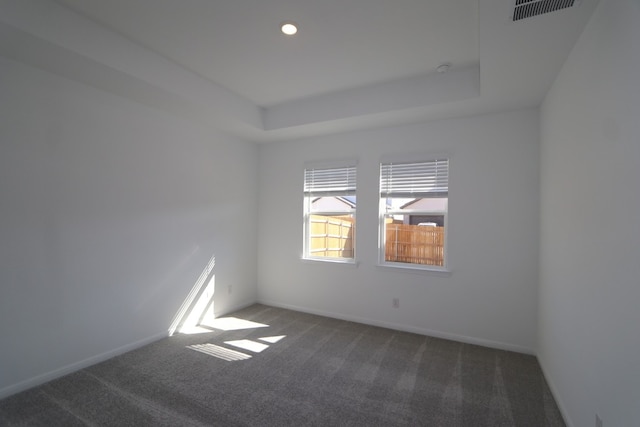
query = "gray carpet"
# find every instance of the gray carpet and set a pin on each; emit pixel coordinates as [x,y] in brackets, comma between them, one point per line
[300,370]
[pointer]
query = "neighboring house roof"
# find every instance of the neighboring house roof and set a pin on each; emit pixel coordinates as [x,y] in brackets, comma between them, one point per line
[418,203]
[348,201]
[426,204]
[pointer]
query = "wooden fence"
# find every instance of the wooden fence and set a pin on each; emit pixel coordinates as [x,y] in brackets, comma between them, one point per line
[414,244]
[331,236]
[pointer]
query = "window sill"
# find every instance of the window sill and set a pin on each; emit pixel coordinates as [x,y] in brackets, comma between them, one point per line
[350,262]
[415,269]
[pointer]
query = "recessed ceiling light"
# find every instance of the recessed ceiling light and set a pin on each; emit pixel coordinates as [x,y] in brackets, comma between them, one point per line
[443,68]
[289,28]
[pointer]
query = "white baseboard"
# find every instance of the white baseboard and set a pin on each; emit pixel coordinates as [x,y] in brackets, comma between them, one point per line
[76,366]
[235,307]
[556,396]
[406,328]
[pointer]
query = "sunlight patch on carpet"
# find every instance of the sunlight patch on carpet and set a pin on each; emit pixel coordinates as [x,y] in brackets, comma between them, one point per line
[253,346]
[192,330]
[273,339]
[232,324]
[219,352]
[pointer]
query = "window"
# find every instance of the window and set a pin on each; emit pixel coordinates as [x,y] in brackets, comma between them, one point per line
[330,213]
[413,213]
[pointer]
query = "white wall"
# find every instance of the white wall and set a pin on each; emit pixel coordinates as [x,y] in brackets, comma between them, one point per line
[491,295]
[109,212]
[589,316]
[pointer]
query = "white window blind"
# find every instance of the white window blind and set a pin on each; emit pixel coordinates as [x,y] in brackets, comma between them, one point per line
[416,179]
[336,181]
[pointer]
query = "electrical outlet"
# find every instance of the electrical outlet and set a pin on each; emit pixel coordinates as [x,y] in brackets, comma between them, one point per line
[396,303]
[598,421]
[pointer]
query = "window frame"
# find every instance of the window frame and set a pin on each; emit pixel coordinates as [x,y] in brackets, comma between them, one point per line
[384,213]
[308,196]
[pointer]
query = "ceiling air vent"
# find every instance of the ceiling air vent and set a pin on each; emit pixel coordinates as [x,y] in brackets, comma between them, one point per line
[529,8]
